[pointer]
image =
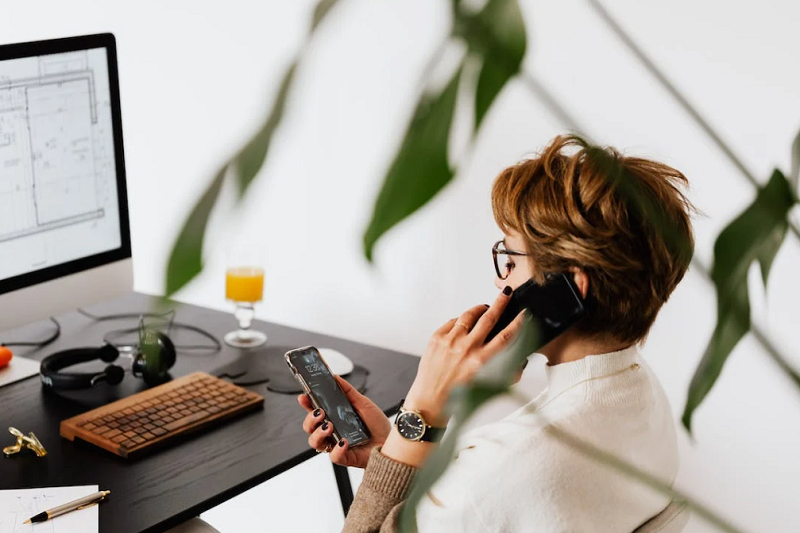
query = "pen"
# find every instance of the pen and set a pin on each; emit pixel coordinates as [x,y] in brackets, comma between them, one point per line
[81,503]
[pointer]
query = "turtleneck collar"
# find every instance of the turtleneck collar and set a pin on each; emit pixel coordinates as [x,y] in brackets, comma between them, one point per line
[562,376]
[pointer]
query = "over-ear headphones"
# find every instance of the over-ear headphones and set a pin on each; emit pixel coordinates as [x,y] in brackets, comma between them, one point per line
[155,355]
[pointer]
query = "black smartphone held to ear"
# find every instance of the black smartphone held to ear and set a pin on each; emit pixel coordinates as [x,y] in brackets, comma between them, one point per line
[555,305]
[317,381]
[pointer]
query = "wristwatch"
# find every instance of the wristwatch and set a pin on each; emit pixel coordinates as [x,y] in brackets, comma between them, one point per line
[412,426]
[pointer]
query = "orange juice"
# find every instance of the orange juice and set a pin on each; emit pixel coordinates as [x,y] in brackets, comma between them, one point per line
[244,284]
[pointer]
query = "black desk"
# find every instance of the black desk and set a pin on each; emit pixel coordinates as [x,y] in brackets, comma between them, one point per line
[172,485]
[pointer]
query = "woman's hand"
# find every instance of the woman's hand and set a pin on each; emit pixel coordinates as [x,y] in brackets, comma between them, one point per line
[454,355]
[320,429]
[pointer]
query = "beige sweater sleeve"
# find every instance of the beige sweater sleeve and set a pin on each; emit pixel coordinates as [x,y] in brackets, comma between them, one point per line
[380,498]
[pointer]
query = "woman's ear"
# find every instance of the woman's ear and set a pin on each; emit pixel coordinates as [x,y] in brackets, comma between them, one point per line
[581,280]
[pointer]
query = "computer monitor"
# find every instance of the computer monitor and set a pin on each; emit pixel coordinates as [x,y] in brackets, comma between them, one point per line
[64,231]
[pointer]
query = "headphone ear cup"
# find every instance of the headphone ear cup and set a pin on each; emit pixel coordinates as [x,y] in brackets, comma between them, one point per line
[108,353]
[155,359]
[114,374]
[168,353]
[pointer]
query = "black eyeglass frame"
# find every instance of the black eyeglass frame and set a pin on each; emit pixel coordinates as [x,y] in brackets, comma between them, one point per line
[497,251]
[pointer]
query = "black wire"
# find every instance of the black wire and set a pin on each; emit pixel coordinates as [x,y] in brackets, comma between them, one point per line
[123,316]
[38,344]
[111,335]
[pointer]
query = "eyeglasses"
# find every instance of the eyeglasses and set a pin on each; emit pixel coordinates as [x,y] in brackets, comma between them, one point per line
[504,270]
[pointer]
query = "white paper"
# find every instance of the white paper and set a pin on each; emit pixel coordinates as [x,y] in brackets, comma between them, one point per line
[16,506]
[19,368]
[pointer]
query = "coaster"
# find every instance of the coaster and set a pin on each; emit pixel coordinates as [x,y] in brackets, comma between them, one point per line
[286,384]
[267,366]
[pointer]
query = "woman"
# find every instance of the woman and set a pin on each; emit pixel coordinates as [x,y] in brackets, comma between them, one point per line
[620,226]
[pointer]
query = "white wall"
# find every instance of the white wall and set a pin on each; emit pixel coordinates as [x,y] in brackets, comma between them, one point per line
[196,78]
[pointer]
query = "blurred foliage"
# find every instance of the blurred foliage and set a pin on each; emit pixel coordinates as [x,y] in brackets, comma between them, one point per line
[496,36]
[186,258]
[755,235]
[420,169]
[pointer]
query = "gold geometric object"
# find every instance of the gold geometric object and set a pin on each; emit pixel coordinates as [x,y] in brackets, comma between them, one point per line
[28,441]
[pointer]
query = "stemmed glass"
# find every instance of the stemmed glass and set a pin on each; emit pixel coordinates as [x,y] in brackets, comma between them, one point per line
[244,286]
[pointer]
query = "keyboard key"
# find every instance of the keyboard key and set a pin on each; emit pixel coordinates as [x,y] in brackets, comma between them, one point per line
[183,422]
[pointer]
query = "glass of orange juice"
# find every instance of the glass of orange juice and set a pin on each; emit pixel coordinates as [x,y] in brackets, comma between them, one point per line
[244,286]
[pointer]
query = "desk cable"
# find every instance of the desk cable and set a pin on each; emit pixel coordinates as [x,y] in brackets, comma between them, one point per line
[111,336]
[38,344]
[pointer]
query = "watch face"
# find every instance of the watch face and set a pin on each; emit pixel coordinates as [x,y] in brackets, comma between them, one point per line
[410,425]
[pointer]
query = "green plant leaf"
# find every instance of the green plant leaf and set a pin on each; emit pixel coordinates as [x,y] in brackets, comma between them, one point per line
[186,259]
[794,175]
[321,10]
[468,399]
[755,235]
[497,34]
[462,404]
[251,158]
[420,168]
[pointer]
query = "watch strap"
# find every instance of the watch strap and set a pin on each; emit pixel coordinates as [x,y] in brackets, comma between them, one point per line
[433,434]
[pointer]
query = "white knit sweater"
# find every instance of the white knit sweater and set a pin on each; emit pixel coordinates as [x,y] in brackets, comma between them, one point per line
[515,476]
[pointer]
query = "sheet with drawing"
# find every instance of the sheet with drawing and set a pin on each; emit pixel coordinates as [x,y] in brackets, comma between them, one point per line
[16,506]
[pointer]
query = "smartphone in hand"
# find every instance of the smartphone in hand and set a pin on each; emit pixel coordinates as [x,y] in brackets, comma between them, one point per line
[554,305]
[317,381]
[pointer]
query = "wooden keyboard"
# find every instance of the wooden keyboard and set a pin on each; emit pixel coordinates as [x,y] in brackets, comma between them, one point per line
[148,418]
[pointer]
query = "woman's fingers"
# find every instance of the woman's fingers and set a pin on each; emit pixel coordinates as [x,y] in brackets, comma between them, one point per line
[319,438]
[339,453]
[313,419]
[305,402]
[446,328]
[467,320]
[503,338]
[491,316]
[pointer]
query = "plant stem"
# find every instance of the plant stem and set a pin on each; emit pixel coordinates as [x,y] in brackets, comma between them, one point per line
[676,94]
[551,102]
[560,112]
[630,470]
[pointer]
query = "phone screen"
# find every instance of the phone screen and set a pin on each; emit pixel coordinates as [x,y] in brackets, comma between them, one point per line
[326,392]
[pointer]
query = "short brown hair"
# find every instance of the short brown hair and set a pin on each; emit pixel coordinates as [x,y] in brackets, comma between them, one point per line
[622,220]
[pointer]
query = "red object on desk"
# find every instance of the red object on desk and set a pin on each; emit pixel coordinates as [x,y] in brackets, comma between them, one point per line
[5,356]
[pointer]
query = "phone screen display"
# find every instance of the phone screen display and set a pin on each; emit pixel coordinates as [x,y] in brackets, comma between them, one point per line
[329,396]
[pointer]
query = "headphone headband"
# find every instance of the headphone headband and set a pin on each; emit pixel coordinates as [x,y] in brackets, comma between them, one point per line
[151,364]
[52,364]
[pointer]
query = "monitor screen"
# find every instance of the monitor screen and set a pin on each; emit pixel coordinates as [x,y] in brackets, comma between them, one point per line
[62,200]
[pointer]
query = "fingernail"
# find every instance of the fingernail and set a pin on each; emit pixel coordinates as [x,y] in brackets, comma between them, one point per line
[341,443]
[316,413]
[325,426]
[507,290]
[486,305]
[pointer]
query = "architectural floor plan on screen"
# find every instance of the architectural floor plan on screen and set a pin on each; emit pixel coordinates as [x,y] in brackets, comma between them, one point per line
[57,170]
